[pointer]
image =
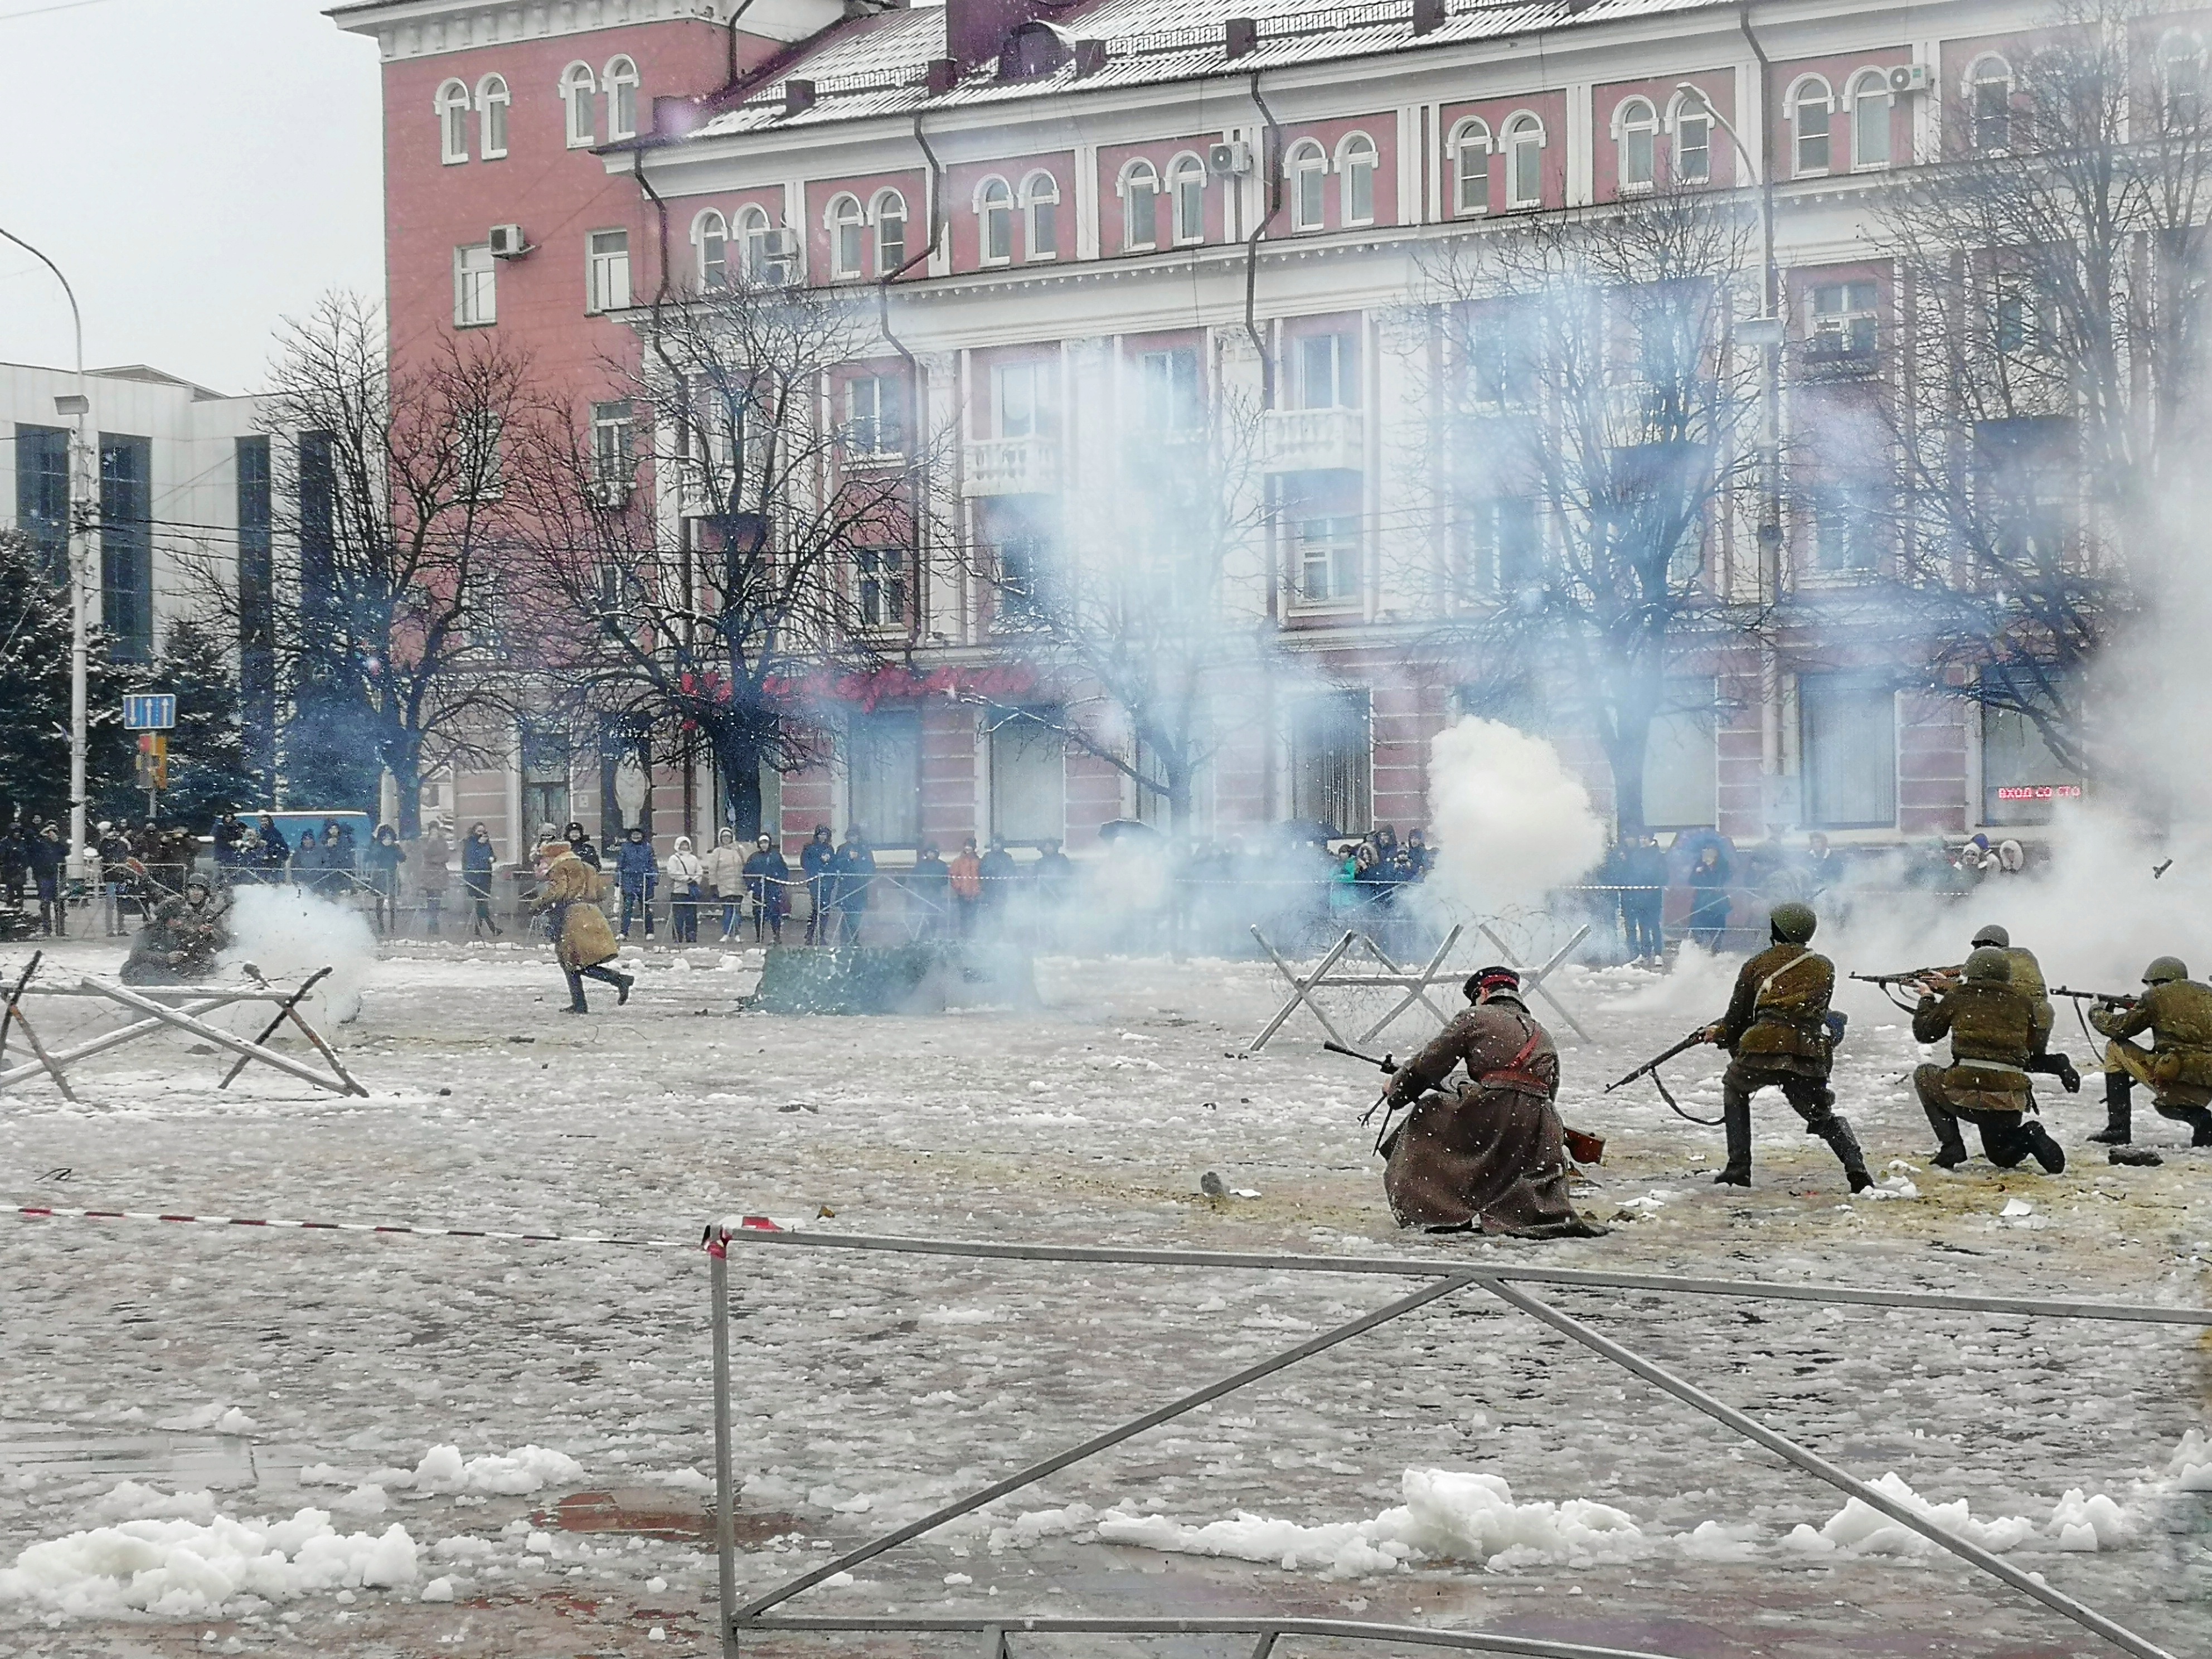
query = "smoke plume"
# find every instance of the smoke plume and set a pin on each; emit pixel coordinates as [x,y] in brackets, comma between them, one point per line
[1511,821]
[288,934]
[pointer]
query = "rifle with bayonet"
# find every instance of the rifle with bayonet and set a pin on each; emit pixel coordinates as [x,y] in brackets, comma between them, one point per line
[2106,999]
[1650,1068]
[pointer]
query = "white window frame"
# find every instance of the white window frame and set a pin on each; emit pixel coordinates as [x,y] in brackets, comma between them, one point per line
[1636,123]
[1035,377]
[614,443]
[1806,92]
[579,103]
[1524,132]
[1040,203]
[1186,199]
[604,266]
[751,230]
[710,235]
[493,102]
[1139,183]
[476,287]
[889,207]
[621,82]
[2191,51]
[993,196]
[1469,137]
[1840,321]
[451,106]
[1683,110]
[1343,370]
[1868,90]
[1977,78]
[1162,378]
[1357,162]
[847,225]
[880,418]
[1335,553]
[1307,160]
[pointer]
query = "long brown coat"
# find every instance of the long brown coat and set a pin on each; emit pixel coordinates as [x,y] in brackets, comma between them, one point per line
[569,888]
[1490,1152]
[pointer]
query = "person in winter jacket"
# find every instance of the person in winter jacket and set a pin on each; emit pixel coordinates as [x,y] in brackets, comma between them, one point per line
[380,864]
[964,875]
[639,872]
[768,878]
[853,874]
[580,845]
[477,857]
[275,851]
[1001,876]
[47,860]
[687,881]
[569,894]
[16,862]
[814,861]
[726,879]
[434,853]
[931,884]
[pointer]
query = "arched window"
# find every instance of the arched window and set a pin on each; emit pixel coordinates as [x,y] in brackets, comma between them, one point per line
[622,99]
[1692,156]
[1307,167]
[847,228]
[1470,154]
[762,247]
[1187,193]
[1524,161]
[1040,214]
[491,117]
[1355,160]
[578,87]
[711,232]
[2181,70]
[995,206]
[1810,105]
[1636,128]
[1140,205]
[1989,95]
[1870,123]
[452,107]
[889,214]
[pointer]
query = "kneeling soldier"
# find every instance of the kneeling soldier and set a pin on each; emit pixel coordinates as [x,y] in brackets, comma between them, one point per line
[2027,980]
[2177,1068]
[1991,1025]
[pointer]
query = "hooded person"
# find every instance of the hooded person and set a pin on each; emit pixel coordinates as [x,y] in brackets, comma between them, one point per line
[725,879]
[1490,1154]
[686,874]
[568,895]
[767,878]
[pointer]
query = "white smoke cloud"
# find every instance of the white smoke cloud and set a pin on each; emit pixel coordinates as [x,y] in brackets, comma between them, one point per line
[1509,820]
[288,934]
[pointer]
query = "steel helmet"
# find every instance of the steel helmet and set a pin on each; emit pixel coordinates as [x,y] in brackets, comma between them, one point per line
[2163,969]
[1995,935]
[1792,923]
[1990,965]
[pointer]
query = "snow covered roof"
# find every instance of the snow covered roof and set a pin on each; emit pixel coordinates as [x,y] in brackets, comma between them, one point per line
[879,64]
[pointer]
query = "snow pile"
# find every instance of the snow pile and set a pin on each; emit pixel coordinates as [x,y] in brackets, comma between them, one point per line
[1448,1515]
[2191,1467]
[2078,1522]
[1032,1525]
[288,934]
[172,1563]
[443,1470]
[2092,1522]
[1511,822]
[1712,1541]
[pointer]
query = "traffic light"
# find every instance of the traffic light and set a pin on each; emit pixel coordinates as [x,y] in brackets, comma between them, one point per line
[154,760]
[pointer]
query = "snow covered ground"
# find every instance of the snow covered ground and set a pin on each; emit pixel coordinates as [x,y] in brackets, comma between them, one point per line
[225,1440]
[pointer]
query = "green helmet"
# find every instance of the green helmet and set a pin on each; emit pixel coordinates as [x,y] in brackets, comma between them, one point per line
[1988,964]
[1995,935]
[1792,923]
[2165,969]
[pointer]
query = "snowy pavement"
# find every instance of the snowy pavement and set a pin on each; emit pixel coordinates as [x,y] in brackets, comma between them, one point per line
[216,1439]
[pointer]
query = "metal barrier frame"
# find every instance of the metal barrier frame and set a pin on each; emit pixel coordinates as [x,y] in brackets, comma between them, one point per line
[1444,1279]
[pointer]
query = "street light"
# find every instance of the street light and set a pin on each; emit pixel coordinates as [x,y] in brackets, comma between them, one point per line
[1768,333]
[77,406]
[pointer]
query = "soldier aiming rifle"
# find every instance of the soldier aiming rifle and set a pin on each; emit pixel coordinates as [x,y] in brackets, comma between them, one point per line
[2026,979]
[1992,1024]
[2177,1068]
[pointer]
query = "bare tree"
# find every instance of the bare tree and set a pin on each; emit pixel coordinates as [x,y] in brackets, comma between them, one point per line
[388,485]
[1149,636]
[1600,421]
[778,539]
[2048,422]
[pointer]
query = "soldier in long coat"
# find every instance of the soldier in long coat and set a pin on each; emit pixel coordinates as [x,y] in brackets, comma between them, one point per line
[1488,1154]
[569,891]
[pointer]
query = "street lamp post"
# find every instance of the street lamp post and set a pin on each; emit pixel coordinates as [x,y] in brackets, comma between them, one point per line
[78,406]
[1767,331]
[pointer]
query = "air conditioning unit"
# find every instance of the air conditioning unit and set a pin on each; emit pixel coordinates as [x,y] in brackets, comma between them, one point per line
[506,242]
[1908,77]
[610,494]
[779,244]
[1229,160]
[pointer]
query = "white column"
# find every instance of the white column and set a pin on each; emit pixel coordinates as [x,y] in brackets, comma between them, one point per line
[1582,186]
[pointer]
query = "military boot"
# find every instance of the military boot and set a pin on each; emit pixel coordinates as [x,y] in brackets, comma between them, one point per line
[1736,1116]
[1837,1132]
[2045,1150]
[2200,1128]
[1950,1150]
[2119,1089]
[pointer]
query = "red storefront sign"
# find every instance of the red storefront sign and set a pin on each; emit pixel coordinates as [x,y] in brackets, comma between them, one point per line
[2039,792]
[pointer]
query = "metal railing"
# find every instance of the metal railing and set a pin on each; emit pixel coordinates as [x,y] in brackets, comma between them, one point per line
[1445,1278]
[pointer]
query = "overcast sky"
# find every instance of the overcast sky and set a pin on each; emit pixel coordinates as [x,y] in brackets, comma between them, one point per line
[198,168]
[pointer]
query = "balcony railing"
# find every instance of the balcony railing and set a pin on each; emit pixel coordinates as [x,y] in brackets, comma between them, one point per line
[1011,467]
[1316,439]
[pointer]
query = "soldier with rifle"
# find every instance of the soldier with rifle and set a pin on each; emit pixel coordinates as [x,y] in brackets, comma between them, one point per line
[2177,1068]
[1992,1024]
[179,945]
[2027,978]
[1489,1154]
[1779,1034]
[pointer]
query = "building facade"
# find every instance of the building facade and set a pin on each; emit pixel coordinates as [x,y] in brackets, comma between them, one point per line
[1082,217]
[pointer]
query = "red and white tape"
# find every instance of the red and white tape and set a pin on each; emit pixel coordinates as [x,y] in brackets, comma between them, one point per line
[43,1213]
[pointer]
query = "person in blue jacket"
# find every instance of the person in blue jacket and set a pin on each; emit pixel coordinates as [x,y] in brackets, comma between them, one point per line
[639,872]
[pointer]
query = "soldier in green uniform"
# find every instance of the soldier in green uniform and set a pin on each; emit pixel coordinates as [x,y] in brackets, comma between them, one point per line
[2027,979]
[1992,1024]
[2177,1068]
[1778,1031]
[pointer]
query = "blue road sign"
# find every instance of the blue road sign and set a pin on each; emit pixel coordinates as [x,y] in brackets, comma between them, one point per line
[149,711]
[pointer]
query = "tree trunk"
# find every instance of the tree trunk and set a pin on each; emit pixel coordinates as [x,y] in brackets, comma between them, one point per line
[738,759]
[1626,750]
[404,760]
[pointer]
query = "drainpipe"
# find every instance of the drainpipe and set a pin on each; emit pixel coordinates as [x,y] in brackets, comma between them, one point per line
[1268,144]
[915,408]
[1770,524]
